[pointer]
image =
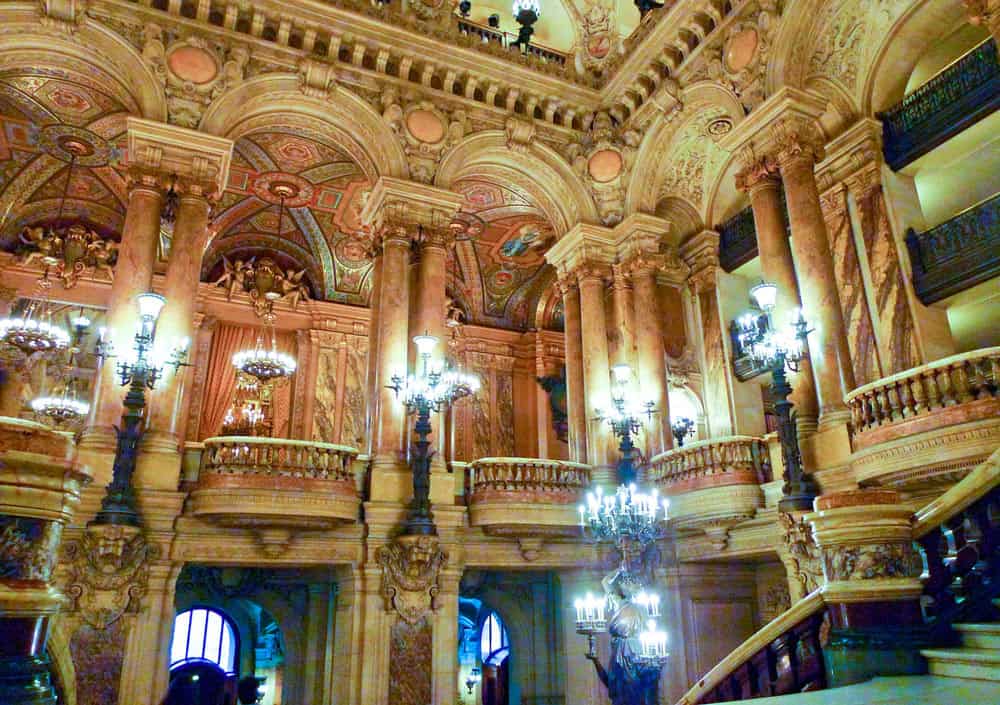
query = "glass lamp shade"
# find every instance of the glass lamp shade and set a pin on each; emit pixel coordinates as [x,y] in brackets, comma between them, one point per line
[150,305]
[425,344]
[527,6]
[621,373]
[765,295]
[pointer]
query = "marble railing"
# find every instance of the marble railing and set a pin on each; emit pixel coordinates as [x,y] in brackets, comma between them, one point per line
[732,460]
[275,483]
[923,429]
[526,497]
[714,484]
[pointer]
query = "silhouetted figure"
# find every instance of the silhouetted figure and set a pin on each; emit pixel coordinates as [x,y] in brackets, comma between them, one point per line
[247,690]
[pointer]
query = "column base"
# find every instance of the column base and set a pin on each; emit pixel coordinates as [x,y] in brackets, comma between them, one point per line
[831,418]
[159,462]
[805,426]
[96,450]
[856,655]
[26,681]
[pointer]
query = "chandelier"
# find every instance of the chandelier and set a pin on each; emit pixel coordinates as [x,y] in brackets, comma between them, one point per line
[592,619]
[34,331]
[765,344]
[433,387]
[628,516]
[532,6]
[247,415]
[264,362]
[62,407]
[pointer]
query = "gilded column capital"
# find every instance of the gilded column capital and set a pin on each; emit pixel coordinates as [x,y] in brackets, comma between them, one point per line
[144,178]
[567,284]
[701,254]
[621,276]
[590,271]
[797,140]
[395,203]
[758,172]
[197,161]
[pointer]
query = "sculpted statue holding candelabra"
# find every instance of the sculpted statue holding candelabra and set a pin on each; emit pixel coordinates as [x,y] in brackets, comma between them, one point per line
[265,281]
[73,252]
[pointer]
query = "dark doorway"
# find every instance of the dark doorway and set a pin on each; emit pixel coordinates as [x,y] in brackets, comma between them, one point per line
[201,683]
[496,684]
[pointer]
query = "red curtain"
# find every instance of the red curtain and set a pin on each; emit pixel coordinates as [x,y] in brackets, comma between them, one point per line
[220,378]
[281,397]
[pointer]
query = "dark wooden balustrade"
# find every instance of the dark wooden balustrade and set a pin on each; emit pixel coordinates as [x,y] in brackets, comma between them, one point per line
[957,254]
[959,96]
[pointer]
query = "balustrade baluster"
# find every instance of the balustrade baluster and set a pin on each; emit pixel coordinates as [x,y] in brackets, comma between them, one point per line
[895,406]
[960,382]
[947,391]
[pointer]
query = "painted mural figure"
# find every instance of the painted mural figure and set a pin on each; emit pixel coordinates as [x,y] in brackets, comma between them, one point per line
[629,680]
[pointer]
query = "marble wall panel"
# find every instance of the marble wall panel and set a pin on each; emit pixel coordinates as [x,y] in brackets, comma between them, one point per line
[326,397]
[671,309]
[896,332]
[482,405]
[410,663]
[504,418]
[716,393]
[98,655]
[352,432]
[851,287]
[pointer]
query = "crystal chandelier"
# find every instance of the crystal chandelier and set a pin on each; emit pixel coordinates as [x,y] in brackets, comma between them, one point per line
[62,407]
[247,415]
[628,516]
[264,362]
[433,387]
[532,6]
[34,331]
[592,619]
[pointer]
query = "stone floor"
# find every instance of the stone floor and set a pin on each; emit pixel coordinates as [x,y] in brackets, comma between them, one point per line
[908,690]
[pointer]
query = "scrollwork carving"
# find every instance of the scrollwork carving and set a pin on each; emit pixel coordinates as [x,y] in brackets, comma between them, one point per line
[411,567]
[802,556]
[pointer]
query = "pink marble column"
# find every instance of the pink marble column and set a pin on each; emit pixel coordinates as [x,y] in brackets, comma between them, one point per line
[373,396]
[176,321]
[651,365]
[575,398]
[828,346]
[394,342]
[624,318]
[133,276]
[596,369]
[777,267]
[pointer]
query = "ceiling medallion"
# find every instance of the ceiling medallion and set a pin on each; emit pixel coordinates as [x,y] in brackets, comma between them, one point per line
[720,126]
[425,126]
[73,144]
[276,187]
[741,49]
[190,63]
[605,165]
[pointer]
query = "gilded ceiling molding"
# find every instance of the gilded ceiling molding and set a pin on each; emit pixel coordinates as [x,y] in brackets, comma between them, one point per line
[26,41]
[273,100]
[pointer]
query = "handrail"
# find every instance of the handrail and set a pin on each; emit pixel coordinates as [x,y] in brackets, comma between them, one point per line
[797,613]
[700,444]
[558,480]
[272,457]
[937,364]
[973,487]
[744,458]
[268,440]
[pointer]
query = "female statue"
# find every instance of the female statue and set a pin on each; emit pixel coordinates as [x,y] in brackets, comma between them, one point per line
[629,680]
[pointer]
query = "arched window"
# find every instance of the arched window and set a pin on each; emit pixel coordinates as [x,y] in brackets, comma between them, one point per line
[493,644]
[204,635]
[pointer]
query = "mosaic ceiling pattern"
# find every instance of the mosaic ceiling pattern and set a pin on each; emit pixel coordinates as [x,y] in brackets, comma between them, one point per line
[320,221]
[41,111]
[499,273]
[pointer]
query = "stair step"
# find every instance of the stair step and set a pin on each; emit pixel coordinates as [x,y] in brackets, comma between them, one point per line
[976,664]
[980,636]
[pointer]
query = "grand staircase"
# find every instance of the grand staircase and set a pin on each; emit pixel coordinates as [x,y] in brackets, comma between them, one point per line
[977,658]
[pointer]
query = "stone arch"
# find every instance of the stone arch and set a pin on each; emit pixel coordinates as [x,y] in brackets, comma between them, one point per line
[109,56]
[702,102]
[344,117]
[683,216]
[895,57]
[536,169]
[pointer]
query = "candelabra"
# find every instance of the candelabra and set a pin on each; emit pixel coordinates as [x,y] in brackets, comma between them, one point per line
[778,350]
[475,677]
[526,12]
[139,374]
[681,428]
[625,419]
[33,331]
[431,388]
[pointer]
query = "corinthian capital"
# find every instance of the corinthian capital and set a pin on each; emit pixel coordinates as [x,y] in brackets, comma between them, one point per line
[758,170]
[796,139]
[701,254]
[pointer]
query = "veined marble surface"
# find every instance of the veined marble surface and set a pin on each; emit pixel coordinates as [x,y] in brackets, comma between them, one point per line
[905,690]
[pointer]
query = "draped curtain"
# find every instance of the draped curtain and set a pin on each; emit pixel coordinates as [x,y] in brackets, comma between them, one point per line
[221,379]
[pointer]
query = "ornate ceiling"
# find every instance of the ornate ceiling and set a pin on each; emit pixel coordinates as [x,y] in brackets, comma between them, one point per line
[499,273]
[320,222]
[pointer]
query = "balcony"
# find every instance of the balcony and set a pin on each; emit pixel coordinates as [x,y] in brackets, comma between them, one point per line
[274,483]
[713,485]
[957,254]
[526,497]
[926,427]
[959,96]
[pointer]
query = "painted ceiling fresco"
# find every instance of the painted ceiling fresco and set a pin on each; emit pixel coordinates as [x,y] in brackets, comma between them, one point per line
[498,274]
[41,112]
[320,222]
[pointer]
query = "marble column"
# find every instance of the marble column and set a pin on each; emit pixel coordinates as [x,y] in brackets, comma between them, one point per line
[778,267]
[828,347]
[133,276]
[444,670]
[575,398]
[651,366]
[373,386]
[39,490]
[596,370]
[624,317]
[176,322]
[393,344]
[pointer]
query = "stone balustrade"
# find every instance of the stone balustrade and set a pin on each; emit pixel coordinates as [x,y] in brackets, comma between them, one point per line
[938,420]
[714,484]
[526,497]
[275,482]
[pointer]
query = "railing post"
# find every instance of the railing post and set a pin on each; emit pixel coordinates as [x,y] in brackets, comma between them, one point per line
[872,586]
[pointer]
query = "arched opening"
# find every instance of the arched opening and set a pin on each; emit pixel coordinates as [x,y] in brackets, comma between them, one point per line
[494,651]
[203,657]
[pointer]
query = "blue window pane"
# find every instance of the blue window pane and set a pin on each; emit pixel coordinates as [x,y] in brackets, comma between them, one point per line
[178,647]
[201,634]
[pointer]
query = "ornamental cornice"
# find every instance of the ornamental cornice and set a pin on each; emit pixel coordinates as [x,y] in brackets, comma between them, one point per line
[852,155]
[788,117]
[583,244]
[396,205]
[195,159]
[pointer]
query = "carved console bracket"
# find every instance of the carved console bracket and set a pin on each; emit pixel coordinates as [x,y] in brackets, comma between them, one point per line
[411,568]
